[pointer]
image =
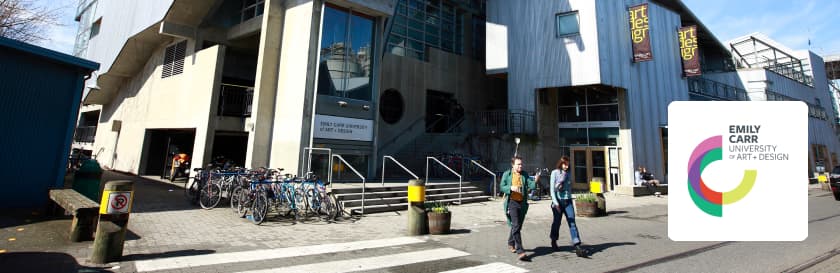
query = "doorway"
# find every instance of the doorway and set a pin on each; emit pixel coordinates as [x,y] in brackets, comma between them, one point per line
[161,145]
[589,163]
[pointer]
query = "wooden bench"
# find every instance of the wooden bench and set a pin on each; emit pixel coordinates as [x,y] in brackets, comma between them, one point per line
[83,209]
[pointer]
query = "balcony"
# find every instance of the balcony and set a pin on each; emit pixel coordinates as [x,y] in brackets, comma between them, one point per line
[712,90]
[85,134]
[516,122]
[235,100]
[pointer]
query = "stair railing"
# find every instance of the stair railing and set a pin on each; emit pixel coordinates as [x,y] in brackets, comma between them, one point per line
[354,171]
[460,178]
[488,171]
[398,163]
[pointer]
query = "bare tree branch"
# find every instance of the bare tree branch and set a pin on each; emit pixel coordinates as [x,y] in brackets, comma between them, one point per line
[24,21]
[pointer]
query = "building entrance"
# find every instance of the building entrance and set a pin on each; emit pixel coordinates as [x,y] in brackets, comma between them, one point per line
[588,164]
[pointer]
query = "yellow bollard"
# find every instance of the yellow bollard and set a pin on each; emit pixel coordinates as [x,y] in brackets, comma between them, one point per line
[418,223]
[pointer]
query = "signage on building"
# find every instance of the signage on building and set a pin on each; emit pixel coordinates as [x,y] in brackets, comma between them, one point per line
[333,127]
[689,51]
[640,33]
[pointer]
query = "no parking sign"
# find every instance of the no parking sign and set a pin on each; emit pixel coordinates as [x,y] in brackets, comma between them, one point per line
[115,202]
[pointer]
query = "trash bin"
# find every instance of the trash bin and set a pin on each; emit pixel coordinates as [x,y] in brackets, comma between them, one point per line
[88,178]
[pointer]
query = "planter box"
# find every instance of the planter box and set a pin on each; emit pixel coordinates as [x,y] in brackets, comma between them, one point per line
[589,209]
[439,223]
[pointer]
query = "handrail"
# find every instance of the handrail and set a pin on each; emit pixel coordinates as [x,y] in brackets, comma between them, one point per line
[394,139]
[398,163]
[460,179]
[354,171]
[490,172]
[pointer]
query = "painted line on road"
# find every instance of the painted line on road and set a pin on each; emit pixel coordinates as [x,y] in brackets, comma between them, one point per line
[490,268]
[371,263]
[266,254]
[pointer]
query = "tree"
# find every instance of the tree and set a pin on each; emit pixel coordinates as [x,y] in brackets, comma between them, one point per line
[22,20]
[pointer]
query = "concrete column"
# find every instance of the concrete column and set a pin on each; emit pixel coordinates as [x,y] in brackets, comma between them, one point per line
[295,96]
[265,87]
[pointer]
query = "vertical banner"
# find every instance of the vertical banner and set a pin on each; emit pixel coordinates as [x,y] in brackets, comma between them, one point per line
[639,32]
[689,51]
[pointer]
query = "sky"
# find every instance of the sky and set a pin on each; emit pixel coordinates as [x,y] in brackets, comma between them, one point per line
[792,23]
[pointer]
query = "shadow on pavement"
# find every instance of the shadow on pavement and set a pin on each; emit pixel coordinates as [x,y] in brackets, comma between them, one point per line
[459,231]
[168,254]
[590,249]
[43,262]
[611,212]
[152,195]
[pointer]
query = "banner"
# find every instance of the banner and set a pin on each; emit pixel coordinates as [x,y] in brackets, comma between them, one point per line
[639,32]
[689,51]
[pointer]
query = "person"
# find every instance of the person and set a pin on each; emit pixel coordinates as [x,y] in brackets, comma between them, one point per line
[645,178]
[561,204]
[180,164]
[514,183]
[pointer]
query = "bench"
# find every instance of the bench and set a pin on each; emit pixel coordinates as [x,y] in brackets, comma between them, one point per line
[635,190]
[83,209]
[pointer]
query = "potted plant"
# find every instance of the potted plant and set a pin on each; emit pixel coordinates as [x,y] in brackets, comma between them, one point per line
[586,205]
[440,218]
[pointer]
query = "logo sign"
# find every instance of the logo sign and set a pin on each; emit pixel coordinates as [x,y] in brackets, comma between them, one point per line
[333,127]
[735,168]
[117,202]
[639,32]
[688,51]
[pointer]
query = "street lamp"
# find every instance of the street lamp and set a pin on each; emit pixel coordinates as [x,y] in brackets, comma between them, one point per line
[516,152]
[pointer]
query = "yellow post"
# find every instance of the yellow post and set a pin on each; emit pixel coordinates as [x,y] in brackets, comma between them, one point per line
[418,223]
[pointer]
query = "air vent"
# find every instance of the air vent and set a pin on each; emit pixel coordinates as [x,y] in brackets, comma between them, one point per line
[173,60]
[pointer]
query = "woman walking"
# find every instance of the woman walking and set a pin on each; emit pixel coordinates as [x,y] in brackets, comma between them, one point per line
[514,183]
[561,203]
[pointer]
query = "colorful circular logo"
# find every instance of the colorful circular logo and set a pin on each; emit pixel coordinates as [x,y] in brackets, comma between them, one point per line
[706,199]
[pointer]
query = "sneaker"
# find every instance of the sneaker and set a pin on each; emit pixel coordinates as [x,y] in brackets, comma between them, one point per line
[580,252]
[524,257]
[554,246]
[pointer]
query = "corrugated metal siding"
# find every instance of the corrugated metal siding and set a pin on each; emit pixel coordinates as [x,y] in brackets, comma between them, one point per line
[650,85]
[536,57]
[121,20]
[39,98]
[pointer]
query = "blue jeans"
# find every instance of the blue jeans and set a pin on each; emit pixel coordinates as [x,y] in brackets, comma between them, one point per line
[568,209]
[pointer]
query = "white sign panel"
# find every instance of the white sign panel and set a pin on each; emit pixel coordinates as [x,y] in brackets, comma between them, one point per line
[737,171]
[118,202]
[333,127]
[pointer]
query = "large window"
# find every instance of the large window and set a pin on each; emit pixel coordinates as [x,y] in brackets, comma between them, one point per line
[588,117]
[251,9]
[567,24]
[426,23]
[346,58]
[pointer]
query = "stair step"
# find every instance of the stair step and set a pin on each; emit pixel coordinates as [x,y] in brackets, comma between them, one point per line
[404,206]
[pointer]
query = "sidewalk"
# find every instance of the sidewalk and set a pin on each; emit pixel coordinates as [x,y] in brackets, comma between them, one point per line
[164,224]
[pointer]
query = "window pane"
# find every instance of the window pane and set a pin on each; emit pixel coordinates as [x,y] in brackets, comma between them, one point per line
[603,112]
[603,136]
[571,98]
[361,45]
[572,114]
[567,24]
[333,67]
[572,136]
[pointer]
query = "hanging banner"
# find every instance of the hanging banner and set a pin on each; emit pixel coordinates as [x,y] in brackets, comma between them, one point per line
[639,32]
[689,51]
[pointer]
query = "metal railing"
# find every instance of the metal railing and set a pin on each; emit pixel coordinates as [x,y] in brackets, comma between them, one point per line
[354,171]
[398,163]
[717,90]
[235,100]
[85,134]
[308,161]
[488,171]
[460,178]
[503,122]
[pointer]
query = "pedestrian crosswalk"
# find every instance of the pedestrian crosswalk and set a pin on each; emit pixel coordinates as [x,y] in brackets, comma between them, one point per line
[401,252]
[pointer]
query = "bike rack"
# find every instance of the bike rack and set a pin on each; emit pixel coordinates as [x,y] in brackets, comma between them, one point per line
[460,178]
[488,171]
[398,163]
[354,171]
[309,161]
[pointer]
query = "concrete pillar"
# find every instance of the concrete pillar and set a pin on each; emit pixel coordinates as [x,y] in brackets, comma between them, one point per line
[265,87]
[295,96]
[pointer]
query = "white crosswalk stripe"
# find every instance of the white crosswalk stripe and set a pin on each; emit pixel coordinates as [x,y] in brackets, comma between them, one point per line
[489,268]
[371,263]
[403,252]
[247,256]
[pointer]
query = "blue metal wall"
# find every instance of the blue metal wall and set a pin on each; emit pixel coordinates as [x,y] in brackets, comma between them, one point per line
[40,91]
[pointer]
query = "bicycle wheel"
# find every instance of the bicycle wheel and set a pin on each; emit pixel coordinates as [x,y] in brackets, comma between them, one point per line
[300,205]
[313,202]
[326,208]
[191,190]
[260,208]
[236,201]
[211,194]
[337,210]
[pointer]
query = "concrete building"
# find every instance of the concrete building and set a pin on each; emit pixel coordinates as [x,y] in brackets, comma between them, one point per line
[575,64]
[289,83]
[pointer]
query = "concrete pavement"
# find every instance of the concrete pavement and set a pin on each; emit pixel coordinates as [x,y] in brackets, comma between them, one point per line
[165,228]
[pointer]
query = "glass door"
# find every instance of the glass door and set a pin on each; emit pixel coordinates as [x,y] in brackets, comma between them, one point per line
[588,163]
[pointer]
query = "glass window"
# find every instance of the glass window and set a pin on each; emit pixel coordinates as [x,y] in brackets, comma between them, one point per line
[603,112]
[573,136]
[346,54]
[603,136]
[572,114]
[567,24]
[571,97]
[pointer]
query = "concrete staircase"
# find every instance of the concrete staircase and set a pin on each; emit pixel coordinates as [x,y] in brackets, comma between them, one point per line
[394,196]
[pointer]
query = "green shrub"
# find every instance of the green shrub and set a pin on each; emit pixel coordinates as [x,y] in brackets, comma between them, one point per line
[437,207]
[586,197]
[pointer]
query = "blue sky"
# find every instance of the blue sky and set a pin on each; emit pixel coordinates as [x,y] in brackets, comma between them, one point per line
[791,23]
